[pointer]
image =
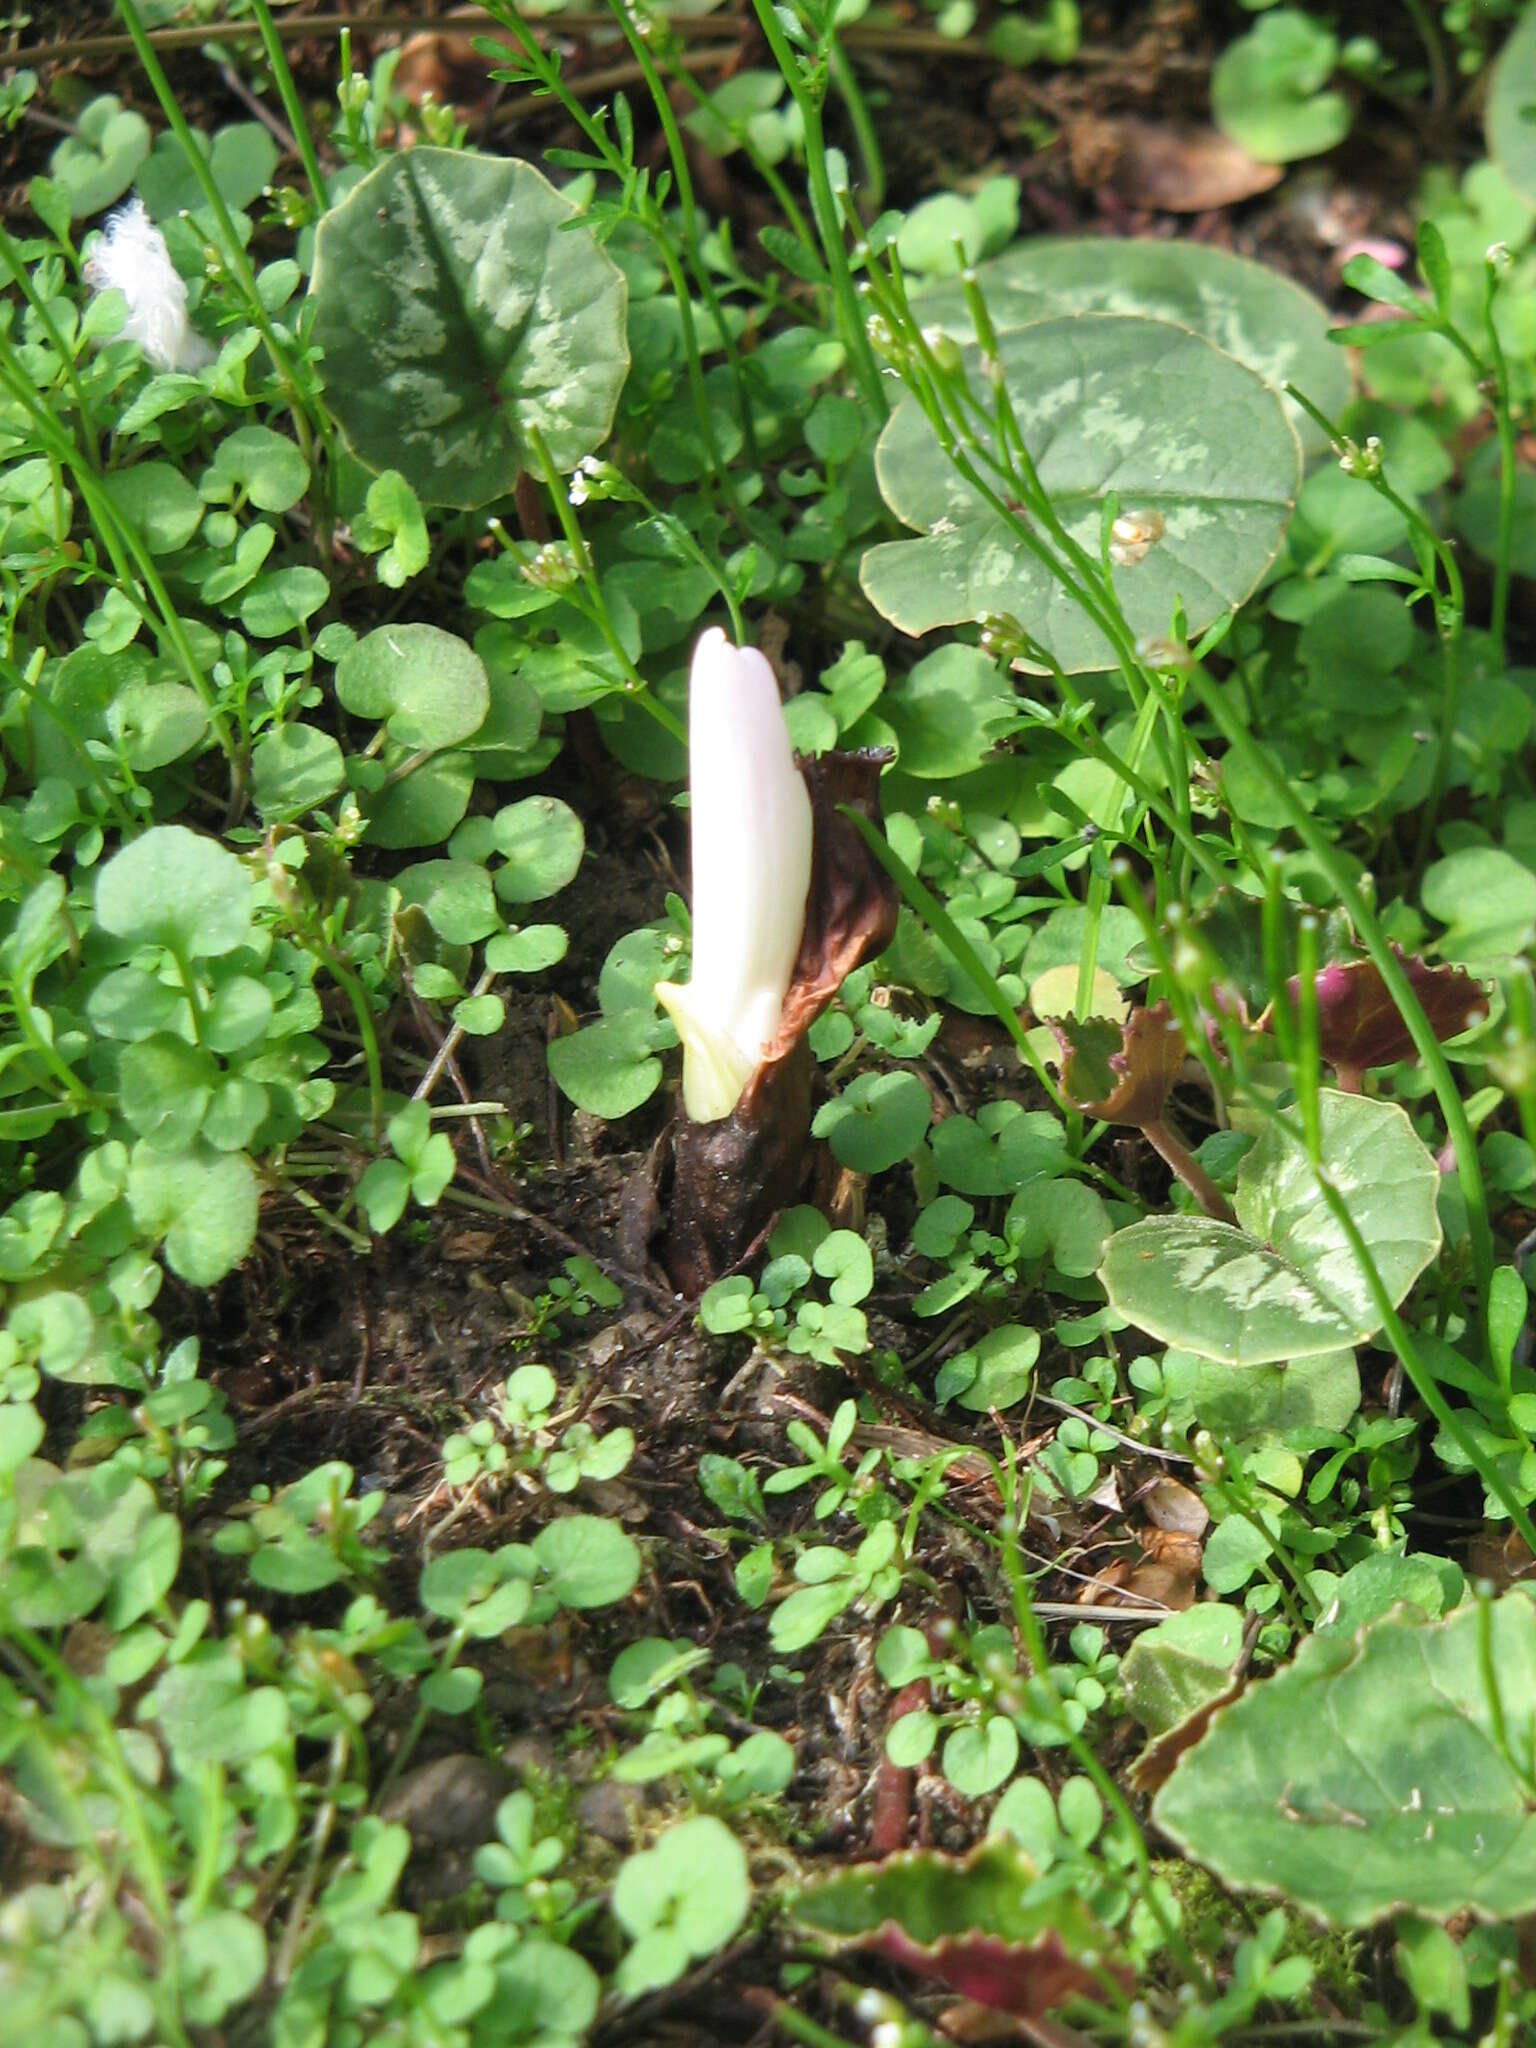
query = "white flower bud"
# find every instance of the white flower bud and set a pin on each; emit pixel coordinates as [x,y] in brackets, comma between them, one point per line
[750,820]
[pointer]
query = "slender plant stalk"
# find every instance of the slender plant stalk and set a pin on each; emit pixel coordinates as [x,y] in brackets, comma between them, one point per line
[636,687]
[23,283]
[1504,427]
[122,542]
[1398,1336]
[1035,1648]
[682,179]
[551,80]
[233,249]
[852,96]
[271,43]
[933,913]
[824,205]
[1374,939]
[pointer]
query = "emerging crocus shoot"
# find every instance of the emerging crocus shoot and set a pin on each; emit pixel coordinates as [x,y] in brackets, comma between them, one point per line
[750,824]
[786,902]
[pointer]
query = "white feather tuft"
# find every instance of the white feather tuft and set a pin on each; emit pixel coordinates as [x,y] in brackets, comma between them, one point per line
[131,257]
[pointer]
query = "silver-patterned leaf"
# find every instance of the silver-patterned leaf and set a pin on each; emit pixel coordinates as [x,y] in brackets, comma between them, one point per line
[460,314]
[1195,448]
[1254,313]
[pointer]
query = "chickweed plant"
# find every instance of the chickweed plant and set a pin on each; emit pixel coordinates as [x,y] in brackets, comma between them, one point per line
[1074,1560]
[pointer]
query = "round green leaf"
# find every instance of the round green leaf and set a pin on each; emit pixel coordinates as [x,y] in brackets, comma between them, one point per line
[1374,1774]
[282,600]
[156,723]
[948,713]
[164,1088]
[1255,314]
[428,687]
[203,1204]
[1267,89]
[979,1756]
[1194,446]
[171,887]
[156,499]
[1487,898]
[1286,1284]
[456,896]
[845,1259]
[607,1068]
[909,1740]
[422,809]
[96,164]
[542,841]
[995,1373]
[266,465]
[528,951]
[1511,92]
[589,1561]
[451,1692]
[294,768]
[876,1121]
[242,159]
[221,1958]
[459,320]
[758,1768]
[545,1993]
[693,1885]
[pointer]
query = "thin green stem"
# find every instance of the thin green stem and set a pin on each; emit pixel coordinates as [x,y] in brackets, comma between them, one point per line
[783,198]
[1035,1648]
[548,74]
[287,92]
[944,928]
[682,179]
[56,342]
[1317,842]
[864,132]
[1504,427]
[824,204]
[637,689]
[122,816]
[121,541]
[232,250]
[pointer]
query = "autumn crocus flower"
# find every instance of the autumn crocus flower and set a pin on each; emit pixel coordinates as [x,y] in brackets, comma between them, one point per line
[132,258]
[750,819]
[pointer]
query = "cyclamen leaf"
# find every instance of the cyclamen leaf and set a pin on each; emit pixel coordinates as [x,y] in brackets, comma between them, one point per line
[1286,1283]
[462,320]
[1374,1773]
[1193,444]
[1360,1026]
[983,1925]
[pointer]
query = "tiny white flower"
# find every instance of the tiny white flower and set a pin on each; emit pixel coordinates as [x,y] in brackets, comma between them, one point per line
[750,823]
[132,258]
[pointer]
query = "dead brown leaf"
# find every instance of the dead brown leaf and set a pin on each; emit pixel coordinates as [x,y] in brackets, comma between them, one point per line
[1184,167]
[1169,1504]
